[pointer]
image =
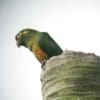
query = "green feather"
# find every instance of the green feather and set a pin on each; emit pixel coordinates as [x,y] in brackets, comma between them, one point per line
[48,45]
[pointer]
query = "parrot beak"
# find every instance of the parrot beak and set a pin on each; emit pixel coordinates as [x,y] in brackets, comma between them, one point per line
[18,44]
[17,38]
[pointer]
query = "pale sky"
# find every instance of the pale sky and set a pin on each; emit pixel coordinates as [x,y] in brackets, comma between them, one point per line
[74,24]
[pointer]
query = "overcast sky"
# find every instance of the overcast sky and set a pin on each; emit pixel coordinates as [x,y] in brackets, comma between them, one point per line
[74,24]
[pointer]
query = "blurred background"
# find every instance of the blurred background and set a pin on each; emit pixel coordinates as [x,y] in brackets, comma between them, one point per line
[74,24]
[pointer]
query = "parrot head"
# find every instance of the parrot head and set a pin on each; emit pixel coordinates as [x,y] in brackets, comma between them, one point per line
[24,36]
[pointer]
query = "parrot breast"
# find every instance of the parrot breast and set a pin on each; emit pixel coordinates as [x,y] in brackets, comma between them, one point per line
[40,55]
[38,52]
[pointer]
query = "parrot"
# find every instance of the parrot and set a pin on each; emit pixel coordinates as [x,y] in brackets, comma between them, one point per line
[40,43]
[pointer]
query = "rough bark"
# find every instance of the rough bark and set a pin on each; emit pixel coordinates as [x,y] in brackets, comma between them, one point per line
[71,76]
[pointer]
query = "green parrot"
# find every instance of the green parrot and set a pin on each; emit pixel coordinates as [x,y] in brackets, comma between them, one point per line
[40,43]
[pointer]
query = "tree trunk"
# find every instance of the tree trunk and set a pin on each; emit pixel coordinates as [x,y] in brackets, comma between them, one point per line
[71,76]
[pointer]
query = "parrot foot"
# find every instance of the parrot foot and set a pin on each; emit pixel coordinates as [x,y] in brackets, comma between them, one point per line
[43,65]
[41,80]
[43,68]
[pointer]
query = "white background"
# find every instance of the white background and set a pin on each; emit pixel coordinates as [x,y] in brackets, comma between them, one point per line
[74,24]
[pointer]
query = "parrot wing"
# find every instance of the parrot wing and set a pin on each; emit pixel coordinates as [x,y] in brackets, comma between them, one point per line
[48,45]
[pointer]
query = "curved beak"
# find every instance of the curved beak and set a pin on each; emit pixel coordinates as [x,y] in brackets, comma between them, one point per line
[17,38]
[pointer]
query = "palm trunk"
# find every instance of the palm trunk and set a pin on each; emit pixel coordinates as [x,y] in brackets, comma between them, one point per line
[71,76]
